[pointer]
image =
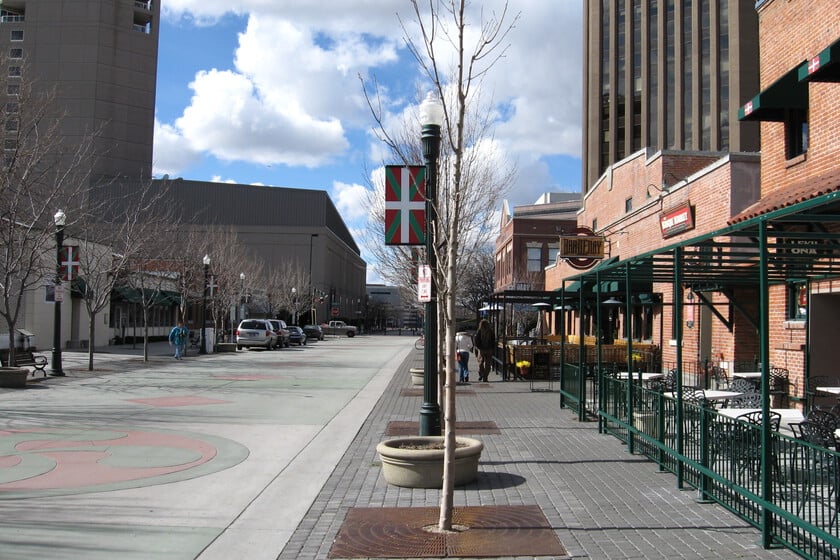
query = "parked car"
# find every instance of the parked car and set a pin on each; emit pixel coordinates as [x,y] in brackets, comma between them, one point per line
[255,332]
[282,332]
[297,336]
[314,332]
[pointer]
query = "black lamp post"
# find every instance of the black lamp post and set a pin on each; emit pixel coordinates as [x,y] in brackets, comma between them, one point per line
[55,365]
[242,296]
[431,118]
[203,349]
[294,306]
[311,293]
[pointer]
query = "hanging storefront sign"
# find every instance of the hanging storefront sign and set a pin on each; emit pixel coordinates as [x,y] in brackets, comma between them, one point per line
[677,220]
[581,250]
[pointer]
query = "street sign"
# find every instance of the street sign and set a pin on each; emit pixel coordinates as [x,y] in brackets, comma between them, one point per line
[424,283]
[334,311]
[59,292]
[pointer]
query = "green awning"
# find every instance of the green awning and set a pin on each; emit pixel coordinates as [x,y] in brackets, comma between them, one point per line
[824,67]
[776,101]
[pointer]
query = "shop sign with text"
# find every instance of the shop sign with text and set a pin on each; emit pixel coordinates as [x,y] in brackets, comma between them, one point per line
[677,220]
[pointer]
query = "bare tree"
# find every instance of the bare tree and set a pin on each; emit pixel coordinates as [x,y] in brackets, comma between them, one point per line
[472,178]
[476,281]
[42,172]
[126,220]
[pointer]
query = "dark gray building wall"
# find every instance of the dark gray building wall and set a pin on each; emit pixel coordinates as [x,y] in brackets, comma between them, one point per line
[666,74]
[101,58]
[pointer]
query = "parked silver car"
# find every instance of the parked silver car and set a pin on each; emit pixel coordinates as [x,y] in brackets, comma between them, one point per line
[255,332]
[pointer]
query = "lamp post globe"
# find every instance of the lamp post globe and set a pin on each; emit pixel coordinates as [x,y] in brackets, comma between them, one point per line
[431,119]
[56,369]
[206,262]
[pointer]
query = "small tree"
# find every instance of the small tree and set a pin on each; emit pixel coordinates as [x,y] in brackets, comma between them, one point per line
[472,178]
[40,173]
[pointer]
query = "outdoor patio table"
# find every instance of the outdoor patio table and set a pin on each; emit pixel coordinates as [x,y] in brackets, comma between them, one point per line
[646,376]
[715,395]
[832,390]
[747,374]
[789,415]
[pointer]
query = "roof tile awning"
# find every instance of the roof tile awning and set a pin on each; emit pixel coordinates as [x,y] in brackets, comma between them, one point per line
[824,67]
[774,102]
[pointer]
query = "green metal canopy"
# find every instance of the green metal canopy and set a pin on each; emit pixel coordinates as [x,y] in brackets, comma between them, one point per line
[777,100]
[824,67]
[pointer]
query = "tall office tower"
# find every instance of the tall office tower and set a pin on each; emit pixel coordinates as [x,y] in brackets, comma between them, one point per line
[101,58]
[666,75]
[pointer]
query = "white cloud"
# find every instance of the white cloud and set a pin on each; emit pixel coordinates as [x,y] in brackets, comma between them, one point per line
[172,153]
[350,200]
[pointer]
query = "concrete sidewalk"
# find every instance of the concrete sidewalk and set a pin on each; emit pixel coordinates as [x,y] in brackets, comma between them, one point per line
[602,502]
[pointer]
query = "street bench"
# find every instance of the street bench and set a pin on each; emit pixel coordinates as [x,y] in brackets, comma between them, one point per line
[24,358]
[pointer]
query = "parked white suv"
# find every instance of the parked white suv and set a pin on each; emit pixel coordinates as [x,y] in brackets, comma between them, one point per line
[255,332]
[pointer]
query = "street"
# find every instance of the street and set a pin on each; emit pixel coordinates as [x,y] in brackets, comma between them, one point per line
[211,457]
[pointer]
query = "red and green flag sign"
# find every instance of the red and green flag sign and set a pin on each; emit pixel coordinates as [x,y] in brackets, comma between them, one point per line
[405,205]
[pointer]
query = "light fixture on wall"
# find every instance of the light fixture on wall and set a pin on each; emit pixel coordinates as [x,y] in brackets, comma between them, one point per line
[612,301]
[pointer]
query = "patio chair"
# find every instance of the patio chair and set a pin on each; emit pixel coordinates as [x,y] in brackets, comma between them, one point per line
[818,399]
[818,467]
[748,442]
[720,378]
[825,418]
[780,386]
[750,397]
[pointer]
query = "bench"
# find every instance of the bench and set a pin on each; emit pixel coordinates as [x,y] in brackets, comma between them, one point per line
[25,358]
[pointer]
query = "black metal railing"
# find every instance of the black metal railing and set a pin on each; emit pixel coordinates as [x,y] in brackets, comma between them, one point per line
[794,489]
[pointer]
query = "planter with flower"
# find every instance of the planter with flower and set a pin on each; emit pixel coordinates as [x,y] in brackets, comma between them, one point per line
[523,366]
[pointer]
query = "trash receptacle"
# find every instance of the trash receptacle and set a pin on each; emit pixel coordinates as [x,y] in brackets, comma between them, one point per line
[209,339]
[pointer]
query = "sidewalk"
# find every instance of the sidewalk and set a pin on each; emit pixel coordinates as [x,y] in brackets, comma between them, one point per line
[601,502]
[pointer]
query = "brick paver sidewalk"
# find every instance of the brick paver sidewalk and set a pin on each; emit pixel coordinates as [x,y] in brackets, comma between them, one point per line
[602,502]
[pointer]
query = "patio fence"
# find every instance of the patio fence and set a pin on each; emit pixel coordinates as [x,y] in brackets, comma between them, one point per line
[791,491]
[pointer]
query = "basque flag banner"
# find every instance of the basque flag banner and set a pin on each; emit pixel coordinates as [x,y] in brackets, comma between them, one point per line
[405,204]
[69,262]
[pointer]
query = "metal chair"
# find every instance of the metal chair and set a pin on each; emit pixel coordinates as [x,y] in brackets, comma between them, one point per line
[780,386]
[750,397]
[818,466]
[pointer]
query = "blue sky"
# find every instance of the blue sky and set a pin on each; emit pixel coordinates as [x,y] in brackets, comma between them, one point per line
[268,92]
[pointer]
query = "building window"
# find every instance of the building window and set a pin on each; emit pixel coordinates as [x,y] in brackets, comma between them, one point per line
[535,258]
[11,125]
[797,301]
[15,53]
[595,224]
[17,35]
[12,107]
[796,134]
[10,144]
[628,204]
[552,253]
[14,71]
[13,89]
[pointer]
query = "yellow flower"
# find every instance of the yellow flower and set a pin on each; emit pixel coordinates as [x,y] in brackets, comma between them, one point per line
[523,363]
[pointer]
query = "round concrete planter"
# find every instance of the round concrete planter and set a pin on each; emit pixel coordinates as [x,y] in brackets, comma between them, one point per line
[13,377]
[416,375]
[423,468]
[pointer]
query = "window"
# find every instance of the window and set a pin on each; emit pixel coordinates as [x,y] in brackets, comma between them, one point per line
[12,107]
[796,134]
[17,35]
[15,53]
[595,224]
[628,204]
[552,253]
[797,296]
[10,144]
[535,259]
[11,125]
[13,89]
[14,71]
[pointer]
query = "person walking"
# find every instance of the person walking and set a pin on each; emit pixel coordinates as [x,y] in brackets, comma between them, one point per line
[178,338]
[463,347]
[485,347]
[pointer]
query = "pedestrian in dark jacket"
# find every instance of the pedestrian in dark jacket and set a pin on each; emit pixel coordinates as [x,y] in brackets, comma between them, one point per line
[485,347]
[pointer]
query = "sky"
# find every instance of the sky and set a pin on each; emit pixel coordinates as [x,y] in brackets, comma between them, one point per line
[270,92]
